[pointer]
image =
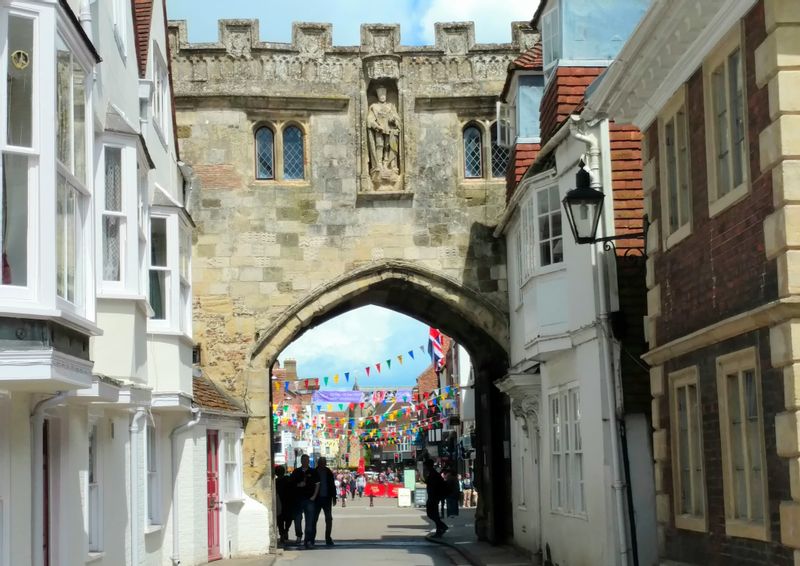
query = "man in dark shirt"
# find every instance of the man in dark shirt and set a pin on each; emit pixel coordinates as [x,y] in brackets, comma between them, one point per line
[306,482]
[325,499]
[436,489]
[286,502]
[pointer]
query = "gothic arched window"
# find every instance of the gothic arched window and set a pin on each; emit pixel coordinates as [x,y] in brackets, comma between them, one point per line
[473,152]
[265,153]
[500,155]
[293,153]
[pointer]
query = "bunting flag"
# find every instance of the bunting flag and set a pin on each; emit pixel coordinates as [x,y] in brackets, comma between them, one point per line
[378,367]
[367,370]
[400,358]
[336,378]
[347,377]
[389,364]
[411,354]
[325,379]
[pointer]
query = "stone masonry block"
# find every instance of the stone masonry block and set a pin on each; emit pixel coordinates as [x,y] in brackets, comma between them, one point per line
[784,342]
[787,434]
[658,476]
[654,237]
[654,302]
[790,523]
[781,12]
[779,234]
[788,265]
[783,89]
[791,386]
[781,50]
[786,183]
[663,509]
[657,381]
[660,446]
[780,140]
[650,272]
[794,478]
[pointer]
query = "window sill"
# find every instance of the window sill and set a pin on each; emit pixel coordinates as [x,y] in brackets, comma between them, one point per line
[94,557]
[236,500]
[185,338]
[678,236]
[744,529]
[723,203]
[691,523]
[581,516]
[121,296]
[152,529]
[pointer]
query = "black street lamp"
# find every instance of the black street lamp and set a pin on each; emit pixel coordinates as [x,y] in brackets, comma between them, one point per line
[584,206]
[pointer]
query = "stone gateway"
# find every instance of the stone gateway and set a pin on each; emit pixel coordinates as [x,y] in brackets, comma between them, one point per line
[332,177]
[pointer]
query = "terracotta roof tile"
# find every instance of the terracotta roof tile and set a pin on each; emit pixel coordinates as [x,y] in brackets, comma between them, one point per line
[142,18]
[211,398]
[530,60]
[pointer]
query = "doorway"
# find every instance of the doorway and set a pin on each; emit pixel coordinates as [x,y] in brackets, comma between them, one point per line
[212,482]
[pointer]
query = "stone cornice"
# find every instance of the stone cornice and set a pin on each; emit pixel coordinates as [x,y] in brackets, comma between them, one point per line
[763,316]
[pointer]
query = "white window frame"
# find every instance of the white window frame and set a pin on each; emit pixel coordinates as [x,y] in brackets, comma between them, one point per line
[551,29]
[231,467]
[538,266]
[120,19]
[565,438]
[518,261]
[679,384]
[527,247]
[142,225]
[94,490]
[505,124]
[178,293]
[674,113]
[718,201]
[739,363]
[152,474]
[161,103]
[168,269]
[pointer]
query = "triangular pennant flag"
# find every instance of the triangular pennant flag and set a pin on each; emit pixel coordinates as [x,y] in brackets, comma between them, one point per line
[411,354]
[388,364]
[347,377]
[286,385]
[330,407]
[319,408]
[400,358]
[336,378]
[367,370]
[341,406]
[325,379]
[422,349]
[378,366]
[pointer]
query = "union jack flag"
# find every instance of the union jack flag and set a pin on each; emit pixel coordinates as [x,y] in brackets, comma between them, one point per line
[436,349]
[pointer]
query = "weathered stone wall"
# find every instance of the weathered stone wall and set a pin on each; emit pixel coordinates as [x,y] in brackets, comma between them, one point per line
[263,246]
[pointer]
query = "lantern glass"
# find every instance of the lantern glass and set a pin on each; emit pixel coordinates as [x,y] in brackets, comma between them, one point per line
[583,207]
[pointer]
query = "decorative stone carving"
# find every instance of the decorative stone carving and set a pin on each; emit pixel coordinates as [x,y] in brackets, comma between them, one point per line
[523,36]
[383,141]
[312,39]
[382,67]
[526,410]
[455,38]
[525,391]
[238,36]
[379,38]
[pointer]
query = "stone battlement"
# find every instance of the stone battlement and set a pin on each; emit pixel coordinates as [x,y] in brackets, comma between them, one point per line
[240,38]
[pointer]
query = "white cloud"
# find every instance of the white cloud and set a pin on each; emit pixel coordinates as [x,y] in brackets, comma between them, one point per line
[492,19]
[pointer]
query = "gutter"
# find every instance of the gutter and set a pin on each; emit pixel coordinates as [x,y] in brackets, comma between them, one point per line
[173,436]
[37,475]
[545,150]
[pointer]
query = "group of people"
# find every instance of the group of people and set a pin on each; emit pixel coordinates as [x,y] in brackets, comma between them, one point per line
[307,493]
[446,491]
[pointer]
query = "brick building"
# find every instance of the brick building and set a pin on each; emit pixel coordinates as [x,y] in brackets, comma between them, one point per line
[720,126]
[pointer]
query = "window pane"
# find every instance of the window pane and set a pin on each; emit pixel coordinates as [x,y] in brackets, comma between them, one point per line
[66,240]
[754,444]
[672,174]
[500,155]
[721,125]
[473,153]
[736,96]
[158,293]
[113,179]
[79,121]
[112,229]
[683,449]
[265,155]
[293,155]
[14,220]
[698,505]
[683,169]
[20,81]
[737,444]
[158,242]
[64,103]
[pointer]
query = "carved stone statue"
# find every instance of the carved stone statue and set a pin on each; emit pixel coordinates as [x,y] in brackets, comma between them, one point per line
[383,138]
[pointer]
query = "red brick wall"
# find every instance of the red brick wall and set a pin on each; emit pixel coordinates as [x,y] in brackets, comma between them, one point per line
[563,94]
[522,156]
[720,269]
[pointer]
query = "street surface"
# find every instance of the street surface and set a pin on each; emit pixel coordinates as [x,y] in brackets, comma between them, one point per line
[383,534]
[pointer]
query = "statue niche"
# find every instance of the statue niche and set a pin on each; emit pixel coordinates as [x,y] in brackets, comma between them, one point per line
[383,137]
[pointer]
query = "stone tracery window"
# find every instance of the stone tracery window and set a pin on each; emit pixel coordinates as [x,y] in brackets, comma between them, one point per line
[500,155]
[265,153]
[473,152]
[293,153]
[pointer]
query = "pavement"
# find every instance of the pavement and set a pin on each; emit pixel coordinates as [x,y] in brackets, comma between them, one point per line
[390,535]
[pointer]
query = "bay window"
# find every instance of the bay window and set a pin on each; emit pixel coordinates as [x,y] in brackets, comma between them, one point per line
[161,101]
[113,224]
[159,268]
[548,207]
[551,38]
[170,288]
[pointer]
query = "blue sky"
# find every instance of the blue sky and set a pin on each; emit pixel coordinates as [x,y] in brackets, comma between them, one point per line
[356,339]
[416,17]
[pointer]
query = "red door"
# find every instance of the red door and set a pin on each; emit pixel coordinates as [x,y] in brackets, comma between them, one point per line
[212,465]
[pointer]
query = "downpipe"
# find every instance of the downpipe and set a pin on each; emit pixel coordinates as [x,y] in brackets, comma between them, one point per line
[37,475]
[606,346]
[173,436]
[135,430]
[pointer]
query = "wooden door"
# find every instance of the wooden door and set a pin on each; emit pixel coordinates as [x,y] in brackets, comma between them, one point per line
[212,481]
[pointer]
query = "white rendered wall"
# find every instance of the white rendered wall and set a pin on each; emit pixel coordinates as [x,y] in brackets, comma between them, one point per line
[169,366]
[15,479]
[121,352]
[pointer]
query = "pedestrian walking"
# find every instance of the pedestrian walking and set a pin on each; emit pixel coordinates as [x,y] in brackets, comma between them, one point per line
[436,489]
[306,482]
[352,487]
[286,503]
[326,499]
[453,493]
[466,485]
[360,484]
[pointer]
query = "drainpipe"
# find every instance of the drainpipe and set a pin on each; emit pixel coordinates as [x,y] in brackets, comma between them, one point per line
[606,346]
[37,484]
[135,431]
[173,436]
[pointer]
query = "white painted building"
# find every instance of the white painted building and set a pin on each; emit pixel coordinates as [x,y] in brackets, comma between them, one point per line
[98,428]
[574,469]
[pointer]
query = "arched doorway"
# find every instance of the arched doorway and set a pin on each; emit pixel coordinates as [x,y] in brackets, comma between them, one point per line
[460,312]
